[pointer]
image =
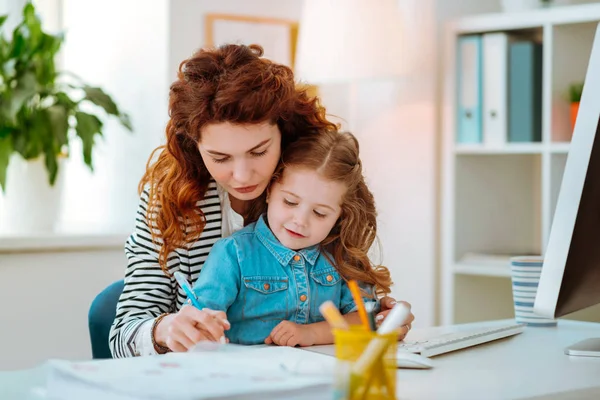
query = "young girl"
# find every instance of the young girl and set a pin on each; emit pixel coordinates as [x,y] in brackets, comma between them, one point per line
[271,277]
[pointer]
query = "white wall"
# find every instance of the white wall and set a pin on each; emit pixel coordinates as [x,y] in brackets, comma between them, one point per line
[45,299]
[124,52]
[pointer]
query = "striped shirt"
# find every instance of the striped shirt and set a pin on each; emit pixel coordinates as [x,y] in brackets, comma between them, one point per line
[148,292]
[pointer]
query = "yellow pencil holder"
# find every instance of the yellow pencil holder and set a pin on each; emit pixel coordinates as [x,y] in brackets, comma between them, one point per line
[367,365]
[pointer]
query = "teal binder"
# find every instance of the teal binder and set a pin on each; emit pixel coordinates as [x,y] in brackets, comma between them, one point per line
[469,90]
[525,92]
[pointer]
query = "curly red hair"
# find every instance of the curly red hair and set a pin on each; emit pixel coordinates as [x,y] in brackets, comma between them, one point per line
[231,83]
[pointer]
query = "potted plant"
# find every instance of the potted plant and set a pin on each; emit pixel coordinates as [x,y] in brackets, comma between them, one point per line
[575,90]
[41,109]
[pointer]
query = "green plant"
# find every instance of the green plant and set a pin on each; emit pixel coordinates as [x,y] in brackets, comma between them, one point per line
[575,90]
[40,108]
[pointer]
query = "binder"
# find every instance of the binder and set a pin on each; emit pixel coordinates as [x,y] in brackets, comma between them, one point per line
[525,92]
[469,128]
[495,71]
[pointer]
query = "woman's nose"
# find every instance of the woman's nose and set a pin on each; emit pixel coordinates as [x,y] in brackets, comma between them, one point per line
[242,172]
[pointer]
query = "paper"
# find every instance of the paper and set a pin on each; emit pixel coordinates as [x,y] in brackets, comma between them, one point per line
[212,372]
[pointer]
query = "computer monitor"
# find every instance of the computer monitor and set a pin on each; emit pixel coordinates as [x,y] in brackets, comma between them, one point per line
[570,279]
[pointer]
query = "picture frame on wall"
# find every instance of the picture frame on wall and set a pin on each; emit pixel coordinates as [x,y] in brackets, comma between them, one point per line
[277,36]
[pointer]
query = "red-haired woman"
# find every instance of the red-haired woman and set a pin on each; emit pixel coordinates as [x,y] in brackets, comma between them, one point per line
[232,113]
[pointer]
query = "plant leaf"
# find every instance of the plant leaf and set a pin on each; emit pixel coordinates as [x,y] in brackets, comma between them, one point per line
[87,126]
[29,139]
[3,19]
[50,159]
[100,98]
[59,124]
[25,89]
[5,131]
[6,150]
[125,121]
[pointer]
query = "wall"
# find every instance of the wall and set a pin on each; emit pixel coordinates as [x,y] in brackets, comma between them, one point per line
[125,53]
[45,298]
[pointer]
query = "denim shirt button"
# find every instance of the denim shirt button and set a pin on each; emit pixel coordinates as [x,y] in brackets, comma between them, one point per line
[303,297]
[329,278]
[267,286]
[296,257]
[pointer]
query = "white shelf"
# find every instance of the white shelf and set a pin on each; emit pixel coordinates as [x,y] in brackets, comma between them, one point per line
[481,270]
[509,148]
[512,148]
[560,148]
[528,19]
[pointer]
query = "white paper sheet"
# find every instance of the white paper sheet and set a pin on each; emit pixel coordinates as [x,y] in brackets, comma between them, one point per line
[213,372]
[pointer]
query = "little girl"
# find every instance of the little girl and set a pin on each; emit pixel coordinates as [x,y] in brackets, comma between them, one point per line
[271,277]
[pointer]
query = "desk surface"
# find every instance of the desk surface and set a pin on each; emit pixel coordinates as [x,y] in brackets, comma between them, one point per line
[526,366]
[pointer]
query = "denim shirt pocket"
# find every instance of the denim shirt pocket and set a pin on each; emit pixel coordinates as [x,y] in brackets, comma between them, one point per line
[265,298]
[326,286]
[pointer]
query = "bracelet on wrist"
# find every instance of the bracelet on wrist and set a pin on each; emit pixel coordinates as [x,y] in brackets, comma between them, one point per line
[159,349]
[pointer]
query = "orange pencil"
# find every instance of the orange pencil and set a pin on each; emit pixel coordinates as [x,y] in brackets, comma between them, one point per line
[362,311]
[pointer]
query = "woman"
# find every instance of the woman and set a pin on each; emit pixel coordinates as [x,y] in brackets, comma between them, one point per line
[231,114]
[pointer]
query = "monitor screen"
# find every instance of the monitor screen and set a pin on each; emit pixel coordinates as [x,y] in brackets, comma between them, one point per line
[580,287]
[570,279]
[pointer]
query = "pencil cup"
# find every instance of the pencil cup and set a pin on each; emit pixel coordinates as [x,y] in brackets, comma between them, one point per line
[356,379]
[525,274]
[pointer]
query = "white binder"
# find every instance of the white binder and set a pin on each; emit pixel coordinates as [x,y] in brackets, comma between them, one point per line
[495,86]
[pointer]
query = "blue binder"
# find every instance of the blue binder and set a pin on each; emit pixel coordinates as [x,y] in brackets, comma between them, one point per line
[469,82]
[525,92]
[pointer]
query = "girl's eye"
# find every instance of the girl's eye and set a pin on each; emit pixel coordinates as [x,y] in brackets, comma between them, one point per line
[259,154]
[319,215]
[220,160]
[289,203]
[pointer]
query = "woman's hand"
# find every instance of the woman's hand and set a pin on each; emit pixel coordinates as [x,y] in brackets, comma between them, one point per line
[387,303]
[180,331]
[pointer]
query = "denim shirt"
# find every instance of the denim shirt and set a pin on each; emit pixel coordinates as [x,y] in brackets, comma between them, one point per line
[258,283]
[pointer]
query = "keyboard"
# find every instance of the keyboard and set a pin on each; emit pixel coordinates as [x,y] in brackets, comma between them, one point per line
[459,340]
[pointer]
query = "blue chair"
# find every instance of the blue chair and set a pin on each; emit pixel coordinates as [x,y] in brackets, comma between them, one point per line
[101,316]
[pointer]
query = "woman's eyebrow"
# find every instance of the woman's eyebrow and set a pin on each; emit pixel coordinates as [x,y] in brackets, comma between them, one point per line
[218,153]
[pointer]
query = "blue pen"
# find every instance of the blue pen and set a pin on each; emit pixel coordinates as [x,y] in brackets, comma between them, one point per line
[185,285]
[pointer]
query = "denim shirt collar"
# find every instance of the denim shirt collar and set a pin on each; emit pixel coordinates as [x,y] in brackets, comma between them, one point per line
[279,251]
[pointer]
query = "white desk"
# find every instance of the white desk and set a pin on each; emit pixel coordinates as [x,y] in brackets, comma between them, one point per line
[529,365]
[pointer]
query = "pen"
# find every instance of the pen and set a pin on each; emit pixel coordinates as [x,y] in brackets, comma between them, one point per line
[185,285]
[332,315]
[362,312]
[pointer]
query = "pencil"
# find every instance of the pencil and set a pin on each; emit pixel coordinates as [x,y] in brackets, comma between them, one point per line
[332,315]
[362,312]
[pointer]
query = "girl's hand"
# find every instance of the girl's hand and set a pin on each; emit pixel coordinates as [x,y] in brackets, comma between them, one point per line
[387,303]
[181,331]
[288,333]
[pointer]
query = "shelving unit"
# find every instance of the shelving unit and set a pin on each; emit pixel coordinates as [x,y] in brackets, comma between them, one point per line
[501,200]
